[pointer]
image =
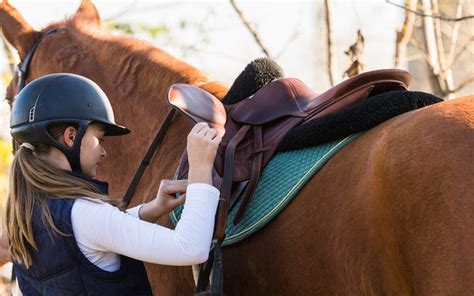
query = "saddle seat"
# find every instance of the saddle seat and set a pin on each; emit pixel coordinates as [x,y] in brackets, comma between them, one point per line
[252,128]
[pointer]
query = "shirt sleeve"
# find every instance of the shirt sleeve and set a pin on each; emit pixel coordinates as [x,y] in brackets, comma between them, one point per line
[103,227]
[134,212]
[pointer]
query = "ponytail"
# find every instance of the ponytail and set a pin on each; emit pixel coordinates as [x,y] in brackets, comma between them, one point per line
[33,181]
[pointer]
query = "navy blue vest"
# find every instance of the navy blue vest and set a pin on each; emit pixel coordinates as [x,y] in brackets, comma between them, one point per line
[60,268]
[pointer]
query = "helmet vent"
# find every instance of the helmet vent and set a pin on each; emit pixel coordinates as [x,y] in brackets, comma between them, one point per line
[31,116]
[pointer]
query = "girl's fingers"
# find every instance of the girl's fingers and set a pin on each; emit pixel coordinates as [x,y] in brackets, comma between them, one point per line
[174,186]
[181,199]
[198,127]
[216,140]
[211,133]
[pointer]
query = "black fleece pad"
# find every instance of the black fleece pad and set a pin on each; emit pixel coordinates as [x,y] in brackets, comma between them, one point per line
[357,118]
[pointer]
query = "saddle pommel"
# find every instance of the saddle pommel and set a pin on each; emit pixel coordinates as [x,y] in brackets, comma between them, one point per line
[198,105]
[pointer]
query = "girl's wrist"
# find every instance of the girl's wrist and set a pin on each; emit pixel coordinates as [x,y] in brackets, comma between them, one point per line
[151,211]
[200,174]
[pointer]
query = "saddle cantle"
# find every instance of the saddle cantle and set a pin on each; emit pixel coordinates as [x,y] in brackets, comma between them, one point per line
[253,127]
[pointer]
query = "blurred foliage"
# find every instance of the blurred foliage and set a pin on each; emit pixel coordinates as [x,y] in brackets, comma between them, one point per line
[163,35]
[6,155]
[6,158]
[134,29]
[153,32]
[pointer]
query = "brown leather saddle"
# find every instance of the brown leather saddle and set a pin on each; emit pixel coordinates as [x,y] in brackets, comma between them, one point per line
[252,128]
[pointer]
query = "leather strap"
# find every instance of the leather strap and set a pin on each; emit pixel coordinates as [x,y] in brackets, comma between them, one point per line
[214,264]
[255,174]
[148,156]
[217,284]
[204,273]
[22,68]
[238,191]
[227,182]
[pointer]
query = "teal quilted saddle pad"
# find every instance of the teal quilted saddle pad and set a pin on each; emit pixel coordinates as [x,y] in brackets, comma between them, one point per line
[280,181]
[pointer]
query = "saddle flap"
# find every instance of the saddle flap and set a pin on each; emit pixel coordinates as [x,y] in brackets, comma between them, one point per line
[198,105]
[280,98]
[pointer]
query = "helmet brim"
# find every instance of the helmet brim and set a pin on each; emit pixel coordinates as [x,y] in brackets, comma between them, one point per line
[115,130]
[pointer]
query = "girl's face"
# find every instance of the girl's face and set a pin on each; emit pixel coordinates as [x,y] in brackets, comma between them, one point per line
[92,151]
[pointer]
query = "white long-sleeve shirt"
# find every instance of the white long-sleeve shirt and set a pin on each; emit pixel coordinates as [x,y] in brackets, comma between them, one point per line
[102,231]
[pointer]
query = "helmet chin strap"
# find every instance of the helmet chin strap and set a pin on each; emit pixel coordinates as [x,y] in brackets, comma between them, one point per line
[73,154]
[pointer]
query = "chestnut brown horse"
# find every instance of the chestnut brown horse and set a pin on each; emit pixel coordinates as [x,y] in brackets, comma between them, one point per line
[391,213]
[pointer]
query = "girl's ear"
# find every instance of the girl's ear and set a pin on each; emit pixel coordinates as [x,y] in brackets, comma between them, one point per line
[16,30]
[69,136]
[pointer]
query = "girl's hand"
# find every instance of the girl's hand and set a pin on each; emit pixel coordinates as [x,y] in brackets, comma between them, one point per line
[202,148]
[165,200]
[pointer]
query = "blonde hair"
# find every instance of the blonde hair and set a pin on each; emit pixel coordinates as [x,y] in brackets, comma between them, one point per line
[33,181]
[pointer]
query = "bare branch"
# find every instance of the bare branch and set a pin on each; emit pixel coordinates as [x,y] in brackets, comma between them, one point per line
[444,18]
[288,42]
[404,34]
[415,57]
[330,42]
[430,39]
[122,12]
[454,34]
[437,83]
[417,44]
[465,83]
[439,37]
[131,8]
[460,52]
[251,28]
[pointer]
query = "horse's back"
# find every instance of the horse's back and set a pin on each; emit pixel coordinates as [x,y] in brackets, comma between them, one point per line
[391,213]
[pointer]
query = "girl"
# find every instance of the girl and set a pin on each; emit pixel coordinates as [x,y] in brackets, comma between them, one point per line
[66,236]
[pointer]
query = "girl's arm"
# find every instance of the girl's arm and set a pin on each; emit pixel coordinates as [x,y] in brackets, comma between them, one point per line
[104,228]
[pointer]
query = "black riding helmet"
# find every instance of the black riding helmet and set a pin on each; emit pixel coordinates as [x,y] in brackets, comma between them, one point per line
[61,98]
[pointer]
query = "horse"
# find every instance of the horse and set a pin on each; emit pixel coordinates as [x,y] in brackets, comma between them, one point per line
[391,213]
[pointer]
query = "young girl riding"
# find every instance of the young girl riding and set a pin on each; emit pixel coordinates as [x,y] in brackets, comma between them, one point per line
[66,235]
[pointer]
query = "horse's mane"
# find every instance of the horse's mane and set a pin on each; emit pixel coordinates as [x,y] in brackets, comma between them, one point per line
[126,60]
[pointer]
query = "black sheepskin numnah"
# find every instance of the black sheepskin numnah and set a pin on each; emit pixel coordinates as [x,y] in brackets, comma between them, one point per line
[358,118]
[256,75]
